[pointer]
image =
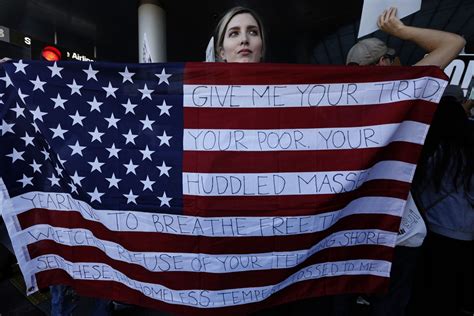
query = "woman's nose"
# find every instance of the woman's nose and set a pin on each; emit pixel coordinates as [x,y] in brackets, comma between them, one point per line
[244,39]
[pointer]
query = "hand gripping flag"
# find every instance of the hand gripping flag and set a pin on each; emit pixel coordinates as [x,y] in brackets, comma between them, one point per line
[212,188]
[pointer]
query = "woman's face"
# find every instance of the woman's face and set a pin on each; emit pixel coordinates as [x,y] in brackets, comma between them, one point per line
[242,40]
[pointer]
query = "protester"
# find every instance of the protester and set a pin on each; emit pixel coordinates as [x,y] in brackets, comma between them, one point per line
[444,190]
[239,37]
[442,47]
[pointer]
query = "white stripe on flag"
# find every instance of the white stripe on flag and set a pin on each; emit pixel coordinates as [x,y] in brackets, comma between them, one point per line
[292,183]
[304,95]
[215,298]
[202,262]
[229,226]
[337,138]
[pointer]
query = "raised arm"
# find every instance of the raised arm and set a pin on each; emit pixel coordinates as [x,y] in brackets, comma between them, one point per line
[441,47]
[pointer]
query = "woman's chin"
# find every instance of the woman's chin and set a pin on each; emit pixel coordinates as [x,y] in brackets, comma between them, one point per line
[244,59]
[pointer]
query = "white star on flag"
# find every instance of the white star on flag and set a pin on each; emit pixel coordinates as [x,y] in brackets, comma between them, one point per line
[164,108]
[76,178]
[22,95]
[130,167]
[6,128]
[35,166]
[45,153]
[95,105]
[147,153]
[8,81]
[73,187]
[165,139]
[164,169]
[16,155]
[20,66]
[58,132]
[96,165]
[131,198]
[59,102]
[55,70]
[77,119]
[75,88]
[54,180]
[90,73]
[147,123]
[110,90]
[113,181]
[163,77]
[147,183]
[37,114]
[95,195]
[127,76]
[38,84]
[61,161]
[164,200]
[18,110]
[112,121]
[28,139]
[37,130]
[59,169]
[146,93]
[129,106]
[130,138]
[113,152]
[77,149]
[96,135]
[25,181]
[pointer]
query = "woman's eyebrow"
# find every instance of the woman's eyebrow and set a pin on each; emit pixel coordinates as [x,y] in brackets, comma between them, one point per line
[233,28]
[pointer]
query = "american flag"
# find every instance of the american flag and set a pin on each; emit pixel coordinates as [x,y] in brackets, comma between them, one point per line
[220,188]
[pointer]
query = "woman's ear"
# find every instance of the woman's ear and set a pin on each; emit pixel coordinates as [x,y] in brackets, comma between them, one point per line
[221,54]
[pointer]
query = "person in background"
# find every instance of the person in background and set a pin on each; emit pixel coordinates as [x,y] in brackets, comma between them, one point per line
[441,48]
[444,190]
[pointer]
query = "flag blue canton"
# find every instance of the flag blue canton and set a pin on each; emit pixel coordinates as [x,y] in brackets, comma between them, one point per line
[108,134]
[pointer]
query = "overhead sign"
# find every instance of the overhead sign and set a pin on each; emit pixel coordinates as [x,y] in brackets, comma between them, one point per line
[461,71]
[19,39]
[372,9]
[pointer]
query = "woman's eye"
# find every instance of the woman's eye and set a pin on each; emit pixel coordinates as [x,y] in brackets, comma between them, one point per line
[233,34]
[253,32]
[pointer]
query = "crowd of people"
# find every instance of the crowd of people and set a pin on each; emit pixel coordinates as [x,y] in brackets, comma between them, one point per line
[434,275]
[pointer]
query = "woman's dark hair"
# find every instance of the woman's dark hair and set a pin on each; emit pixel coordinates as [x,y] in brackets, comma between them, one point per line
[449,147]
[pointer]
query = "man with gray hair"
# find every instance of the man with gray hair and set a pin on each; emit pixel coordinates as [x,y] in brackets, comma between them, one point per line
[441,47]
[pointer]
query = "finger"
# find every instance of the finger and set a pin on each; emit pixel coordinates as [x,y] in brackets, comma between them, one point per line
[393,12]
[382,18]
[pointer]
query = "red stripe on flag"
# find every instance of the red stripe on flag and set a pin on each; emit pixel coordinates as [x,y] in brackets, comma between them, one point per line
[272,74]
[296,292]
[308,117]
[161,242]
[183,280]
[307,161]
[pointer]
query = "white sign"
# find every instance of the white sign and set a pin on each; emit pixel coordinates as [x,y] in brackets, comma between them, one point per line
[210,57]
[372,9]
[146,50]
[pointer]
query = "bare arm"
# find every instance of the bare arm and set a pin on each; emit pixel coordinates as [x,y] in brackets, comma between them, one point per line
[442,47]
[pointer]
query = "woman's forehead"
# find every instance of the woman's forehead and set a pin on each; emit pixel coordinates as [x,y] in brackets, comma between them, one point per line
[242,19]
